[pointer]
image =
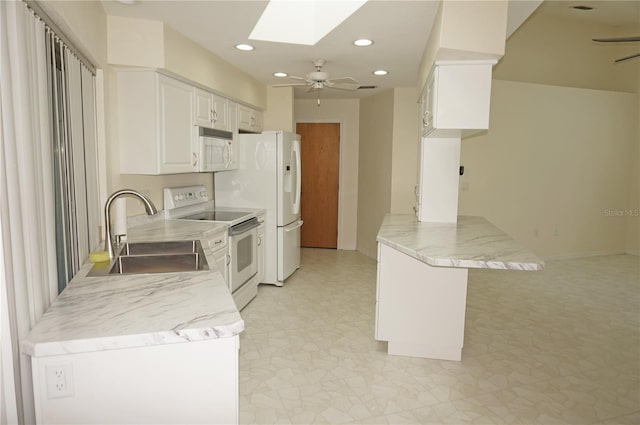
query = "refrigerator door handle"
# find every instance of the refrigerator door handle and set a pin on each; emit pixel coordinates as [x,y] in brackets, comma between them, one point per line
[298,168]
[293,226]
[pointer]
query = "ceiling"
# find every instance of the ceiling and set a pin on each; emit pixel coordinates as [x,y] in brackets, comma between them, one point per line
[398,28]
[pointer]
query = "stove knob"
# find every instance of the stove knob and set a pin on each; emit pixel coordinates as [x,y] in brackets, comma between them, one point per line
[203,193]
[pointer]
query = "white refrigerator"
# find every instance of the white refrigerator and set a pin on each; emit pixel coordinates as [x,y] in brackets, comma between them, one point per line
[269,177]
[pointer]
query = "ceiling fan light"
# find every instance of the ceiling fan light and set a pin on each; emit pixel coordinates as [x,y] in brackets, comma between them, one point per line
[244,47]
[363,42]
[280,74]
[380,72]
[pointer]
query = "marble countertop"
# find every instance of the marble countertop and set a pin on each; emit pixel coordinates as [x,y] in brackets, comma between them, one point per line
[115,312]
[472,242]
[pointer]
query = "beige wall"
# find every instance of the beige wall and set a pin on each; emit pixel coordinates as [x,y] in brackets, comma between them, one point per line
[554,165]
[84,24]
[559,51]
[467,29]
[132,42]
[135,42]
[633,217]
[374,168]
[406,136]
[192,61]
[279,113]
[347,113]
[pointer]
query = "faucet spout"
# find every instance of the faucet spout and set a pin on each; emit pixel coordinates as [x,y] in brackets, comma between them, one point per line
[148,206]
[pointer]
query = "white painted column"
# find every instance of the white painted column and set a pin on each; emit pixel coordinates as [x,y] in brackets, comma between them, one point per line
[439,177]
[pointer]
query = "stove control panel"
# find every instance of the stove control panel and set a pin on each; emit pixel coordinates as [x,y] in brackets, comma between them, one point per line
[176,197]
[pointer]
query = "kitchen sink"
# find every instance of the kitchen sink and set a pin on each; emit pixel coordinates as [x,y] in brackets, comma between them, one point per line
[162,248]
[154,257]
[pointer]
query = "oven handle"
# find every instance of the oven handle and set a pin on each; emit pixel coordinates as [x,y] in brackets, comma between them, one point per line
[243,227]
[294,226]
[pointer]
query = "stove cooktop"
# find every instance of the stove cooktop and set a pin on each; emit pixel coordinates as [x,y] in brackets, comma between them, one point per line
[215,216]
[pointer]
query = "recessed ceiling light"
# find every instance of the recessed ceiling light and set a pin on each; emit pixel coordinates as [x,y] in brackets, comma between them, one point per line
[380,72]
[244,47]
[280,74]
[363,42]
[128,2]
[582,7]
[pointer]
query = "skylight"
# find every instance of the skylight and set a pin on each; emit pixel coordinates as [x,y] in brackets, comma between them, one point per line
[302,21]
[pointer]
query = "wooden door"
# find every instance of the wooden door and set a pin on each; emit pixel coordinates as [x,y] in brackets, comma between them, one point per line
[320,153]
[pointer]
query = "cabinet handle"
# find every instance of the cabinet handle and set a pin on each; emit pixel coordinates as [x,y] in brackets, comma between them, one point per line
[218,242]
[228,259]
[214,116]
[195,159]
[259,241]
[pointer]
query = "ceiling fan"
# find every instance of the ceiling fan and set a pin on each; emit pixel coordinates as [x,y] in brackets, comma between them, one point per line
[620,40]
[319,80]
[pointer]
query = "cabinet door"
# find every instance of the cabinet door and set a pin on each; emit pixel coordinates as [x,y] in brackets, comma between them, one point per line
[260,253]
[249,119]
[219,113]
[176,129]
[203,108]
[219,245]
[211,110]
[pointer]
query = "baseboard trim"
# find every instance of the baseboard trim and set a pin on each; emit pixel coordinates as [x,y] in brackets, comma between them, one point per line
[584,255]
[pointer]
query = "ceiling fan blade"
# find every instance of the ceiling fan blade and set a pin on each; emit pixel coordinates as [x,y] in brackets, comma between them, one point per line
[347,87]
[616,39]
[289,85]
[295,77]
[635,55]
[346,80]
[312,89]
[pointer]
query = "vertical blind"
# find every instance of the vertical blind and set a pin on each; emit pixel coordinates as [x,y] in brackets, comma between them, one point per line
[75,176]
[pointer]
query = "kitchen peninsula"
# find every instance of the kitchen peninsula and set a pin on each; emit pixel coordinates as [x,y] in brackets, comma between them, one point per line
[422,280]
[142,348]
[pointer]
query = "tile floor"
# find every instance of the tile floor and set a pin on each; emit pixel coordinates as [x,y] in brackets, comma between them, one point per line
[559,346]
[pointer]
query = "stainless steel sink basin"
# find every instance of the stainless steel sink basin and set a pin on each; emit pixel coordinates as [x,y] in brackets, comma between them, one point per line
[154,257]
[163,248]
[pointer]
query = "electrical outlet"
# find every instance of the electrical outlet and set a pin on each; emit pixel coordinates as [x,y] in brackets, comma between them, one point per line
[59,380]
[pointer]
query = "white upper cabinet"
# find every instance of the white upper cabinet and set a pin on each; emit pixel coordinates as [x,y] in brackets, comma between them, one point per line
[455,99]
[155,124]
[249,120]
[211,110]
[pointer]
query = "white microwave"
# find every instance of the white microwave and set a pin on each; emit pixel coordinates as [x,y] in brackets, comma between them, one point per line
[216,150]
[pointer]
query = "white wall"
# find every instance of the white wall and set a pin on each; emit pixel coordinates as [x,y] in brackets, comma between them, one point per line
[347,113]
[375,165]
[554,166]
[405,153]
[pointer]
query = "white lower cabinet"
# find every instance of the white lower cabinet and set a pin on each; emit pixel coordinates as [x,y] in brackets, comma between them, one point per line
[420,309]
[191,382]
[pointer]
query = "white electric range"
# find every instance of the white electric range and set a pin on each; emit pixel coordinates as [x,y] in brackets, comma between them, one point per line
[192,203]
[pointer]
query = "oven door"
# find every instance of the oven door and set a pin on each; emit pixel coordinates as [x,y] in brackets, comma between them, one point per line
[243,247]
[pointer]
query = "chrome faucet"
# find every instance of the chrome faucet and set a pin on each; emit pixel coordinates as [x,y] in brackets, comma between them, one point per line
[148,206]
